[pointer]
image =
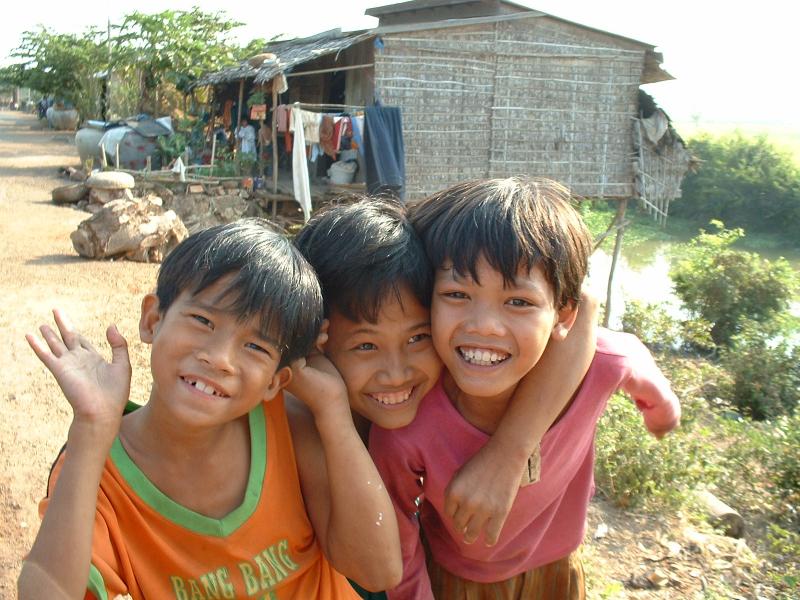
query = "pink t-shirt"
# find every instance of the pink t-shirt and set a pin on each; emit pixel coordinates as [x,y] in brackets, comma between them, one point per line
[547,519]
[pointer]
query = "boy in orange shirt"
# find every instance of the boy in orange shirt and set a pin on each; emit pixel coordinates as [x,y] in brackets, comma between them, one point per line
[212,489]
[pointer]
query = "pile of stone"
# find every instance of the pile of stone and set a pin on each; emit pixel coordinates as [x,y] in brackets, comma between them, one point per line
[121,226]
[137,229]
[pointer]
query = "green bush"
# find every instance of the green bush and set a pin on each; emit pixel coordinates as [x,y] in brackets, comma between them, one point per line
[784,567]
[743,181]
[785,462]
[635,469]
[652,324]
[726,286]
[765,372]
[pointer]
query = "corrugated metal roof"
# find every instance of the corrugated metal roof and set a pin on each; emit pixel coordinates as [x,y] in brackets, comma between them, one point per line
[289,53]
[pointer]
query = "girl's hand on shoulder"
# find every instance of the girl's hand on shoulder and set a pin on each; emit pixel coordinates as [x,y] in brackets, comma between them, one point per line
[96,389]
[317,383]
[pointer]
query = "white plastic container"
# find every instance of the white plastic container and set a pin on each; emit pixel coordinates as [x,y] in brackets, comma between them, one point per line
[342,172]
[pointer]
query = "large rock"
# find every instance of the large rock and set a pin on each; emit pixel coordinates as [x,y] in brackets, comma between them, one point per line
[70,193]
[138,230]
[101,196]
[111,180]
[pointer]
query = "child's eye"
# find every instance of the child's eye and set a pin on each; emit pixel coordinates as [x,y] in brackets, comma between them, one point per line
[201,319]
[520,302]
[256,347]
[455,295]
[366,346]
[419,338]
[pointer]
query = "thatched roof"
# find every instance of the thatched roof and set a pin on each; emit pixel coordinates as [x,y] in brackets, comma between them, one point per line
[288,53]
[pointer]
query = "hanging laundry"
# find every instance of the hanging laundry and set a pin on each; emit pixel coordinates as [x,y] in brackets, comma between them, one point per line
[358,130]
[345,133]
[384,151]
[327,135]
[287,136]
[302,189]
[311,124]
[337,133]
[282,118]
[226,114]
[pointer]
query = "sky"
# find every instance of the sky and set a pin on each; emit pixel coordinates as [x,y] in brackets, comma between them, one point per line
[734,62]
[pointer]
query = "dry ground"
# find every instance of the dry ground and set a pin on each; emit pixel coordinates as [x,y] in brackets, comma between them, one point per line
[39,270]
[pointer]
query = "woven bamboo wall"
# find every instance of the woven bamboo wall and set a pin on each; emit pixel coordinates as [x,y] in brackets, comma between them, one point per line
[531,96]
[662,169]
[444,82]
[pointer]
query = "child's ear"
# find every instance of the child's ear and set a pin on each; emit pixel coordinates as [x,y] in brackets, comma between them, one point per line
[279,381]
[151,316]
[565,319]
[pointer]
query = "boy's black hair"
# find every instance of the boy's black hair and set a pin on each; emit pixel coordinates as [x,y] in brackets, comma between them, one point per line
[270,279]
[511,222]
[362,252]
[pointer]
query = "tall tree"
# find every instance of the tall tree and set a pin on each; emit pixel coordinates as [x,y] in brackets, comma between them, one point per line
[173,47]
[63,65]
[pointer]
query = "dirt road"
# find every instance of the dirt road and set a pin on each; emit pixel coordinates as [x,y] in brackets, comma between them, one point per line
[39,269]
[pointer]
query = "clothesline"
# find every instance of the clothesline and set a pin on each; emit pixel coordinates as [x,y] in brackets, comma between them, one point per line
[309,105]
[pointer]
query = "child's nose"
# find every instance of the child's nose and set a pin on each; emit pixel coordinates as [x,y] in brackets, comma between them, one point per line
[484,320]
[218,354]
[395,370]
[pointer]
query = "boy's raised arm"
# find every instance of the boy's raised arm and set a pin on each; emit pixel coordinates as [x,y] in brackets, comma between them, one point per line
[480,495]
[346,500]
[58,564]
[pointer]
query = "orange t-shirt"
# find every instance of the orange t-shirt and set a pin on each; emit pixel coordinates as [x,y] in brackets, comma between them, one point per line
[148,546]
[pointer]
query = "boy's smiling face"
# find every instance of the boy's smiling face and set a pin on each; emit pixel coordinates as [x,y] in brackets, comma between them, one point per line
[388,366]
[489,334]
[209,366]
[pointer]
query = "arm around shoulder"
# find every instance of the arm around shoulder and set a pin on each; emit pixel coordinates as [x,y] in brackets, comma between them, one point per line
[345,498]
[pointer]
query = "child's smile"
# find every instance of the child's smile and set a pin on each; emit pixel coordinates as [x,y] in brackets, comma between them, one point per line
[483,357]
[207,388]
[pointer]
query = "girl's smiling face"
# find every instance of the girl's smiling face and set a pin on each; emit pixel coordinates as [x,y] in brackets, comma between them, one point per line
[388,366]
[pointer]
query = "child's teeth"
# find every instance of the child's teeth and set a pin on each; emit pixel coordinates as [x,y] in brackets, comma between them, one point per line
[393,397]
[207,389]
[482,357]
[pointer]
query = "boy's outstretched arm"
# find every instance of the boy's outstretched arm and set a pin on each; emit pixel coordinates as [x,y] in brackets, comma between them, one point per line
[651,391]
[480,495]
[58,564]
[346,500]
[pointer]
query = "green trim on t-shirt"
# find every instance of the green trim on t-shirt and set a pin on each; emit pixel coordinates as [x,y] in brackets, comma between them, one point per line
[96,584]
[188,518]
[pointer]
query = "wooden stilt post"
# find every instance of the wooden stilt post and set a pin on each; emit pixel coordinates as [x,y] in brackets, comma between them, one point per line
[239,109]
[274,147]
[620,217]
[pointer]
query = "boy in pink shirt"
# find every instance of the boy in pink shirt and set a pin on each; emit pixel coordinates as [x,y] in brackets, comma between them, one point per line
[510,256]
